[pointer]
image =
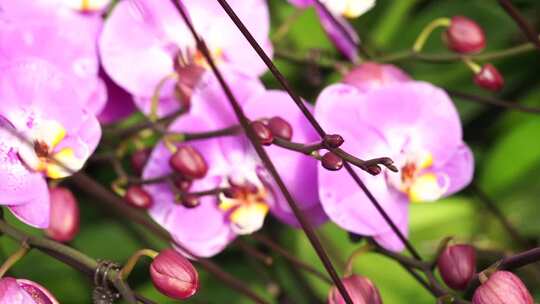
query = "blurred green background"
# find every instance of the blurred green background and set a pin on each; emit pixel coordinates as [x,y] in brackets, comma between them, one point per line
[506,145]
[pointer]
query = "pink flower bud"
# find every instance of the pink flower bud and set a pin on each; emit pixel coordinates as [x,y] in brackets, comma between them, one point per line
[371,75]
[333,140]
[457,265]
[173,275]
[24,291]
[189,162]
[489,78]
[280,128]
[465,36]
[502,287]
[263,133]
[137,197]
[330,161]
[64,220]
[138,160]
[360,289]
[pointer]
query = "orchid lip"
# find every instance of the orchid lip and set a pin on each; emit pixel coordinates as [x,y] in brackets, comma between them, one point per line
[245,204]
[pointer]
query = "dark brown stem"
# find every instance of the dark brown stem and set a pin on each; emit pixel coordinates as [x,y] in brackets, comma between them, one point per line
[69,256]
[309,116]
[261,152]
[380,209]
[310,148]
[290,257]
[488,100]
[147,124]
[525,27]
[253,252]
[494,209]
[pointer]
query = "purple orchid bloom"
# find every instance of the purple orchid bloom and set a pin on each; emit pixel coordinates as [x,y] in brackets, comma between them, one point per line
[332,14]
[217,220]
[30,28]
[41,120]
[371,76]
[20,291]
[147,48]
[414,123]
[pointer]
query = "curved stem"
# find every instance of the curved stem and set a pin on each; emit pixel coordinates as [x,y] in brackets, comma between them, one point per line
[132,261]
[67,255]
[352,258]
[426,32]
[14,258]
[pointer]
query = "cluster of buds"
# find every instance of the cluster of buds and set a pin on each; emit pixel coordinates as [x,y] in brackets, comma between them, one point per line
[465,36]
[457,266]
[268,129]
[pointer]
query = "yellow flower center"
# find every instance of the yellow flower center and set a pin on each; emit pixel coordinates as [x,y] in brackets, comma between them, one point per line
[40,156]
[417,181]
[246,207]
[349,8]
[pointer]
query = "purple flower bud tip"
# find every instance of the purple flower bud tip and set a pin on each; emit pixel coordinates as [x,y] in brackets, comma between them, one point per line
[24,291]
[189,162]
[457,265]
[360,289]
[263,133]
[465,36]
[138,160]
[181,183]
[137,197]
[280,128]
[64,221]
[374,170]
[502,287]
[173,275]
[333,140]
[331,161]
[190,201]
[489,78]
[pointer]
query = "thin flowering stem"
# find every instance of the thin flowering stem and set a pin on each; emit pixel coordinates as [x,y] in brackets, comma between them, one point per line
[310,148]
[132,261]
[494,209]
[69,256]
[253,252]
[525,27]
[284,28]
[379,208]
[14,258]
[309,116]
[275,247]
[489,100]
[117,205]
[261,152]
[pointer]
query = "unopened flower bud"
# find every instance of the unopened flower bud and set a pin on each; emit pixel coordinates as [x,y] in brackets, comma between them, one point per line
[360,289]
[139,159]
[190,201]
[371,75]
[173,275]
[465,36]
[280,128]
[502,287]
[64,220]
[333,140]
[263,133]
[189,162]
[331,161]
[24,291]
[457,265]
[374,170]
[489,78]
[182,184]
[137,197]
